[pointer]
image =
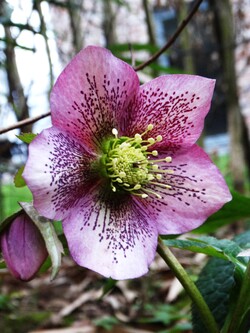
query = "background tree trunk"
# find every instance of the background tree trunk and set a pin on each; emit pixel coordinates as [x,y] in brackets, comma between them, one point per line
[185,43]
[236,126]
[16,96]
[108,23]
[75,15]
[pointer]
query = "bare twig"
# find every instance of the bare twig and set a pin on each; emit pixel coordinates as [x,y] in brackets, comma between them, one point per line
[24,122]
[172,38]
[141,66]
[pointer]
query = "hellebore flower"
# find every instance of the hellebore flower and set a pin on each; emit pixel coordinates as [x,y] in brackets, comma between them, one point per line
[23,247]
[120,166]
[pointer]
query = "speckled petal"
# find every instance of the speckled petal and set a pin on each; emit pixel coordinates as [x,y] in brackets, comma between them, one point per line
[176,105]
[197,191]
[110,235]
[57,172]
[23,248]
[92,94]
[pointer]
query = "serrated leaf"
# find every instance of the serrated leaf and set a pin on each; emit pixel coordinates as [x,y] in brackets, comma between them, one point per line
[18,179]
[26,137]
[215,283]
[223,249]
[218,283]
[52,242]
[236,209]
[243,240]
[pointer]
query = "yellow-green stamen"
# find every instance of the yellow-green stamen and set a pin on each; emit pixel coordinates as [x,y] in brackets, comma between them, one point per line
[126,163]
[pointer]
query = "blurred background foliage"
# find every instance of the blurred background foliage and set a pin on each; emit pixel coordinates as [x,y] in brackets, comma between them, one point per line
[37,39]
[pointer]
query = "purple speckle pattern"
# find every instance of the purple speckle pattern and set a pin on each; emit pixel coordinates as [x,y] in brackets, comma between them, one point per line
[91,106]
[187,189]
[116,220]
[176,110]
[175,116]
[197,190]
[112,235]
[91,96]
[69,167]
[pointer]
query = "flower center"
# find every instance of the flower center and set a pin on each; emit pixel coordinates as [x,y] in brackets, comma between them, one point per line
[128,164]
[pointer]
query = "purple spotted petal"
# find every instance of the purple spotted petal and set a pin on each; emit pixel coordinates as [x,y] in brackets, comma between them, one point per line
[23,248]
[110,235]
[57,172]
[92,94]
[198,190]
[176,105]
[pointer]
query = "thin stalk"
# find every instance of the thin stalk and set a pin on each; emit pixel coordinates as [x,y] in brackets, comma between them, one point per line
[242,305]
[172,39]
[24,122]
[189,286]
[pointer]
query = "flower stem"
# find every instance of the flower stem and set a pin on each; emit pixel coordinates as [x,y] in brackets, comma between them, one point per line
[189,286]
[242,306]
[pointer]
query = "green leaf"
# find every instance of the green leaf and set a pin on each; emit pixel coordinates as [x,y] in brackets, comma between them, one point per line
[26,137]
[165,314]
[237,209]
[106,322]
[18,179]
[219,284]
[215,283]
[243,240]
[52,242]
[108,286]
[223,249]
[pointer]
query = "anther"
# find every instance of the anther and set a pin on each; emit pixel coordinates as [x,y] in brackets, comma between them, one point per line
[151,141]
[115,132]
[168,159]
[150,177]
[159,138]
[138,138]
[154,153]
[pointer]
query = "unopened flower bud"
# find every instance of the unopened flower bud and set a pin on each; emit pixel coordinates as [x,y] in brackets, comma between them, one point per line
[23,247]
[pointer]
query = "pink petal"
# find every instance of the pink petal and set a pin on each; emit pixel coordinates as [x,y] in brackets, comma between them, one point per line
[57,172]
[111,235]
[92,94]
[198,190]
[23,248]
[176,105]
